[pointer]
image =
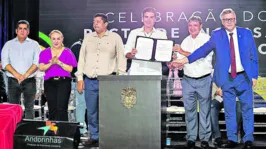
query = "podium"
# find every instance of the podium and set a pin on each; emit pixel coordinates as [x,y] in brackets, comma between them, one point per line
[131,112]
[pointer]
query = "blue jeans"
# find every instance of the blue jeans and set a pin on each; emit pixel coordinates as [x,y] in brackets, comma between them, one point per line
[91,98]
[216,107]
[240,87]
[193,90]
[80,108]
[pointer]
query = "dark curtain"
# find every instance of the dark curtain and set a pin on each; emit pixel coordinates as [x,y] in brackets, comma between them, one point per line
[7,23]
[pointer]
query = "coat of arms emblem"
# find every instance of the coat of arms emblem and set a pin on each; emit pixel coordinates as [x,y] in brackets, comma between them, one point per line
[129,97]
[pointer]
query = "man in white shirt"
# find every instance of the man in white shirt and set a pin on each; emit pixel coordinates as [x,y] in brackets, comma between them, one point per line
[139,67]
[196,85]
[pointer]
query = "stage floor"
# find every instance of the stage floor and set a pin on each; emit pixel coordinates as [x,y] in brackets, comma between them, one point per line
[258,144]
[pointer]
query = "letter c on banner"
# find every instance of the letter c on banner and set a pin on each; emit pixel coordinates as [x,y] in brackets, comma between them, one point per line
[259,16]
[260,49]
[109,20]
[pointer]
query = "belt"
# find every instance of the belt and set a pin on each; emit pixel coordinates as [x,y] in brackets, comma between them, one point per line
[238,73]
[74,79]
[114,73]
[59,78]
[198,77]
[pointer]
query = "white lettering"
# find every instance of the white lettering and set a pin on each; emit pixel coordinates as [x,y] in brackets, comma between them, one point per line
[121,16]
[182,16]
[131,14]
[125,30]
[257,32]
[245,13]
[175,32]
[109,20]
[169,15]
[210,16]
[261,50]
[263,20]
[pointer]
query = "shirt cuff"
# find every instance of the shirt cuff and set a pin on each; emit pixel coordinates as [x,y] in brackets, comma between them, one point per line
[219,98]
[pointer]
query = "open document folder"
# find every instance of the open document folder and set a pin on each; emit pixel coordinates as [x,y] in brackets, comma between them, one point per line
[152,49]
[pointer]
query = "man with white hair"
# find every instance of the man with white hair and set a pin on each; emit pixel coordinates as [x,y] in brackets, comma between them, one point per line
[236,70]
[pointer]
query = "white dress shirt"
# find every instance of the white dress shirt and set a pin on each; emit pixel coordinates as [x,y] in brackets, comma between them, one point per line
[202,66]
[239,66]
[139,67]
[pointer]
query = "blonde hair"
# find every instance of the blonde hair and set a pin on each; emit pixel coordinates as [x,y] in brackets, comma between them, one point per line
[57,31]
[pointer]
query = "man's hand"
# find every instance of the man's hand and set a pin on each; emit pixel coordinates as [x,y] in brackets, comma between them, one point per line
[178,66]
[219,92]
[19,77]
[174,57]
[133,52]
[254,82]
[80,86]
[131,55]
[177,48]
[181,61]
[169,65]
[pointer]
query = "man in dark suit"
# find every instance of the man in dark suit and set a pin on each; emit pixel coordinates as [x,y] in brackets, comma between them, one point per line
[236,70]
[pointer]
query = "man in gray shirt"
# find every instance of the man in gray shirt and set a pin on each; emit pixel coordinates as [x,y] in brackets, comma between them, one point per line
[20,58]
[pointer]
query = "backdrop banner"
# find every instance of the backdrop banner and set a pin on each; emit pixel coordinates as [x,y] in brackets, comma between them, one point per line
[74,18]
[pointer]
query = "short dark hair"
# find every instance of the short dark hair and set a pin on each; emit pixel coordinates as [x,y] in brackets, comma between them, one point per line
[149,9]
[103,16]
[23,22]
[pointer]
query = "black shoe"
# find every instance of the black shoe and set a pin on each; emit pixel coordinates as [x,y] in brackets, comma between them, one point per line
[204,145]
[229,144]
[217,142]
[248,145]
[91,143]
[190,144]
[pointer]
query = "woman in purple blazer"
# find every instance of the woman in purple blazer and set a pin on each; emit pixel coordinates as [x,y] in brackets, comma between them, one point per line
[57,62]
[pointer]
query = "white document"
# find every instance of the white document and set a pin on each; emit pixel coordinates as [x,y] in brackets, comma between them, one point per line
[164,50]
[144,48]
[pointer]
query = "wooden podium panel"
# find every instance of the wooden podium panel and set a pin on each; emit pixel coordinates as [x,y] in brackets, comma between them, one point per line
[130,112]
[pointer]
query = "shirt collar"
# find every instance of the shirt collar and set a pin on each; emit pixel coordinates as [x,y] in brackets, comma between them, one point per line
[153,29]
[234,32]
[196,36]
[96,35]
[27,39]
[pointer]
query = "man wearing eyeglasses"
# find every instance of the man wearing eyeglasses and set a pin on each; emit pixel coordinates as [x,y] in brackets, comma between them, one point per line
[236,70]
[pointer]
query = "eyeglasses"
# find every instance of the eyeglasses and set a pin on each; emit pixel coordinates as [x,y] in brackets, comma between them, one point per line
[229,20]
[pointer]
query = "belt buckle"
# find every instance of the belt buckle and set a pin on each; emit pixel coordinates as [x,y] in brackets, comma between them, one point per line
[56,78]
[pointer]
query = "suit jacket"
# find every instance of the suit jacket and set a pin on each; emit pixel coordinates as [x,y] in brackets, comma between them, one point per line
[220,43]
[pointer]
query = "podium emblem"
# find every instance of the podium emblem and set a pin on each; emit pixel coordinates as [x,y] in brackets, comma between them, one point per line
[129,97]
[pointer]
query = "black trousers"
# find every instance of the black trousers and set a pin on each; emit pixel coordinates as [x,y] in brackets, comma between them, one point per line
[57,91]
[28,89]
